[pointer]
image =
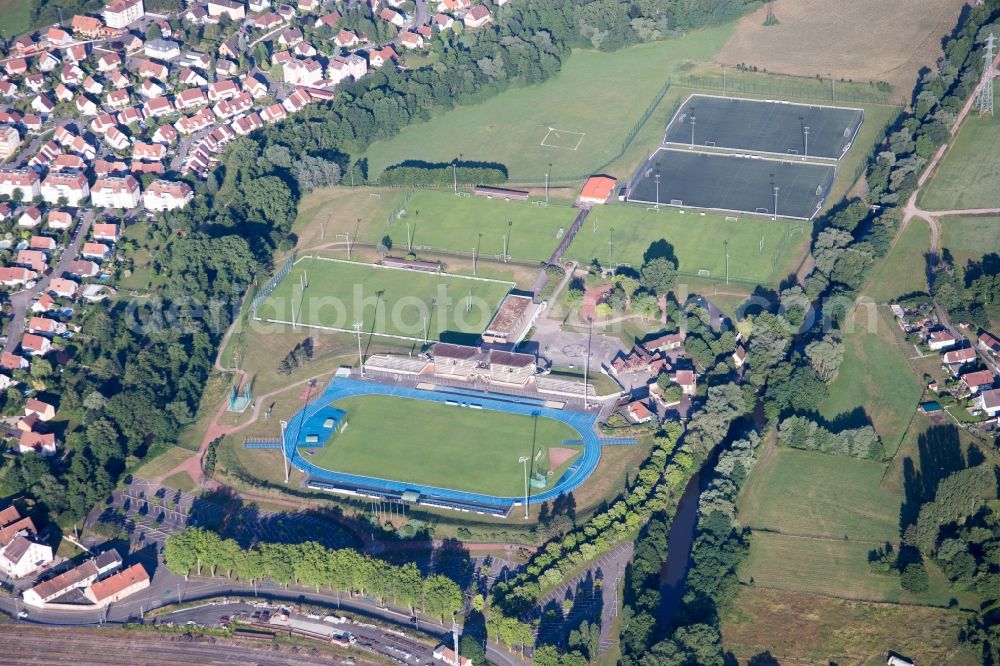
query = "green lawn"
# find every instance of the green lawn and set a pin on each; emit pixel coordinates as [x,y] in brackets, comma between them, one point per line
[597,96]
[806,493]
[442,220]
[417,441]
[838,568]
[386,301]
[967,176]
[875,382]
[15,17]
[698,241]
[970,237]
[904,270]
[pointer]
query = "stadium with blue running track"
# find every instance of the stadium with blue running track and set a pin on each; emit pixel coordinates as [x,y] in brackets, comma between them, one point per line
[340,388]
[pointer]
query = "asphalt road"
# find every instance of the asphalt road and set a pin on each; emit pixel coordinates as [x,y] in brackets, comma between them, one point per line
[21,301]
[166,588]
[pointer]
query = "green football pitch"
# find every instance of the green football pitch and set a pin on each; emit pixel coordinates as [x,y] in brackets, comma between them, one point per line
[386,301]
[434,444]
[443,220]
[760,250]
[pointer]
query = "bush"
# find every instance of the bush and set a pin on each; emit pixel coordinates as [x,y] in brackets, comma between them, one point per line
[914,578]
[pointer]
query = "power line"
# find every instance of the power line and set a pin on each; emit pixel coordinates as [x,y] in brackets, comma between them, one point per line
[984,99]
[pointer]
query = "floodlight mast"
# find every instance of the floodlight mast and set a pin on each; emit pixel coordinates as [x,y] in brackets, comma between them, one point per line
[775,203]
[284,453]
[806,129]
[361,362]
[524,460]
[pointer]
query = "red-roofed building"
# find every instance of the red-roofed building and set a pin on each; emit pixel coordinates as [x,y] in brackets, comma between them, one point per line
[597,190]
[118,586]
[35,345]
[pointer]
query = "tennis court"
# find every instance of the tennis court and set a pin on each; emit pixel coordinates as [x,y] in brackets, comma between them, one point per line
[764,126]
[733,183]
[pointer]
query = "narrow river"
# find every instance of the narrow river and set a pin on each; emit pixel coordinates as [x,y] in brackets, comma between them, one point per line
[679,542]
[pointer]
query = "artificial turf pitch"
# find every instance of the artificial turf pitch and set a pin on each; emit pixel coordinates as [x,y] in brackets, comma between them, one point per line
[764,126]
[733,183]
[441,445]
[386,301]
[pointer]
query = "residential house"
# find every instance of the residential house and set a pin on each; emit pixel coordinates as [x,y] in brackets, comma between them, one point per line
[941,339]
[43,410]
[379,57]
[989,343]
[638,412]
[411,40]
[36,260]
[234,10]
[959,356]
[16,276]
[10,141]
[83,269]
[351,67]
[30,218]
[98,251]
[35,345]
[62,288]
[23,181]
[167,195]
[86,27]
[302,72]
[43,243]
[393,17]
[346,39]
[156,107]
[69,186]
[105,232]
[108,62]
[477,17]
[978,381]
[112,192]
[687,380]
[43,104]
[989,402]
[162,49]
[121,13]
[78,577]
[59,220]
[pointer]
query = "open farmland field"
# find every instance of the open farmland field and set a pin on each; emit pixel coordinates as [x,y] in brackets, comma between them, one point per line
[798,629]
[592,104]
[904,269]
[435,444]
[856,40]
[967,176]
[831,566]
[697,241]
[387,301]
[875,381]
[803,492]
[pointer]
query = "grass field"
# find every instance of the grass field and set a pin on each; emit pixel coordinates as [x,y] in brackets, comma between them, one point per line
[443,221]
[904,270]
[829,566]
[698,241]
[386,301]
[803,493]
[15,17]
[417,441]
[163,463]
[883,41]
[966,177]
[970,237]
[798,628]
[599,95]
[875,382]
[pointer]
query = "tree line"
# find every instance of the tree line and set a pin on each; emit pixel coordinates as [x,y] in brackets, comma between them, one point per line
[199,551]
[428,173]
[798,432]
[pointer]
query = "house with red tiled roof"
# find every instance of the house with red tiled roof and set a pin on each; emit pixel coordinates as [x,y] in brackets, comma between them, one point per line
[15,276]
[477,17]
[638,412]
[83,269]
[35,345]
[43,410]
[978,381]
[10,361]
[63,288]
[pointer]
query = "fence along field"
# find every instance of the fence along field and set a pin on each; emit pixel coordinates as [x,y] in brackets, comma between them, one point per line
[388,302]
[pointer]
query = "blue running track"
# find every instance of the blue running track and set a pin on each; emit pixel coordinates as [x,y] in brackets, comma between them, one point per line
[340,388]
